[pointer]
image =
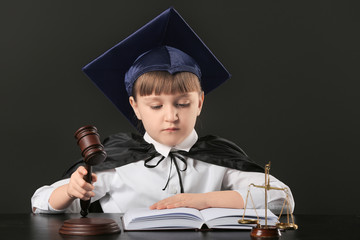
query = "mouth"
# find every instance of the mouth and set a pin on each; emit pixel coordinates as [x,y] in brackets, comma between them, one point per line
[172,129]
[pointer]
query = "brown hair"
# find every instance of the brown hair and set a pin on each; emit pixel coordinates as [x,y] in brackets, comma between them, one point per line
[159,82]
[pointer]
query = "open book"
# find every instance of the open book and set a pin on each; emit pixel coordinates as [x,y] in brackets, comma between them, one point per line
[189,218]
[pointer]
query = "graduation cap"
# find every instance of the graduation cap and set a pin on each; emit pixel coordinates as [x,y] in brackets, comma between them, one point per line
[154,47]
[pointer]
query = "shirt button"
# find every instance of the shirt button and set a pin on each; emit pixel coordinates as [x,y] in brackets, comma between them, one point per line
[173,190]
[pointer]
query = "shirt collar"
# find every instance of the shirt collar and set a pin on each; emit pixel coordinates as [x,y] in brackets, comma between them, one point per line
[164,150]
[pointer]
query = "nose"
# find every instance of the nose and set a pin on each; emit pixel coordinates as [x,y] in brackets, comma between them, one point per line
[171,114]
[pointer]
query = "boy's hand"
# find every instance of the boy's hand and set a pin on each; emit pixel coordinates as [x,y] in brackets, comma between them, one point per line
[190,200]
[221,199]
[78,187]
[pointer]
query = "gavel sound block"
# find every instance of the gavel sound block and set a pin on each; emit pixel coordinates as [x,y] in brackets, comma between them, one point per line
[93,153]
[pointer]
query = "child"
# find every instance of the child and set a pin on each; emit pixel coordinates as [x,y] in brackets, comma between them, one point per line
[165,87]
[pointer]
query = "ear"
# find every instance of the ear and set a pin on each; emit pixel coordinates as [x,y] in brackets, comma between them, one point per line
[134,107]
[201,102]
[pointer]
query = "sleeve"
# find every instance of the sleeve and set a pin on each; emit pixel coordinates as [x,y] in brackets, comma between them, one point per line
[240,181]
[40,199]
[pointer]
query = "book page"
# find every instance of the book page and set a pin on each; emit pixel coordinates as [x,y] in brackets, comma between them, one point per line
[228,217]
[144,218]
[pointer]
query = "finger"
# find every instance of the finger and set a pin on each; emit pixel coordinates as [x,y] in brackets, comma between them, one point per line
[170,201]
[163,205]
[86,186]
[82,171]
[87,196]
[82,194]
[175,205]
[159,205]
[78,191]
[79,181]
[176,201]
[94,177]
[81,186]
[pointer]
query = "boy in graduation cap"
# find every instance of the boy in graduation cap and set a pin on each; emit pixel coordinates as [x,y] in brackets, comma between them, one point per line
[157,78]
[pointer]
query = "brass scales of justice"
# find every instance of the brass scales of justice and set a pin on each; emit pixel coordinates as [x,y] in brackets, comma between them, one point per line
[269,231]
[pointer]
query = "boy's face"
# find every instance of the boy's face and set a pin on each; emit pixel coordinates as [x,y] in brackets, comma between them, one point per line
[168,119]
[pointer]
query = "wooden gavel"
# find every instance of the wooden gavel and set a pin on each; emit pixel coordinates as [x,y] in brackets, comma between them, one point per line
[93,153]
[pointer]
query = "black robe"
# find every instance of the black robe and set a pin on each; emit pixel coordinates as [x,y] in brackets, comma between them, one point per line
[125,148]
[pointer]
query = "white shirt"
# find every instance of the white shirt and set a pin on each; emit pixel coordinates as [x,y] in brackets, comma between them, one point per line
[134,185]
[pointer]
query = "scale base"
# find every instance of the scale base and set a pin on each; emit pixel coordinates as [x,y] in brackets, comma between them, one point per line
[265,232]
[89,226]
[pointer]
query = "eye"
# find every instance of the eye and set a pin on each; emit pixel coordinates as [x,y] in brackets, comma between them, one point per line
[182,105]
[156,107]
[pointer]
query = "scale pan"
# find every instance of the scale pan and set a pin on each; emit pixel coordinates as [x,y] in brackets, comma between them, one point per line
[248,221]
[287,226]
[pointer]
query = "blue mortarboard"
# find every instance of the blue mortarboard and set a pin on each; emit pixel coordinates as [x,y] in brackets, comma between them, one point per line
[164,58]
[165,43]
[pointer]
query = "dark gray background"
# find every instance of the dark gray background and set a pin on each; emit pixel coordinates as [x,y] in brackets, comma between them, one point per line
[293,98]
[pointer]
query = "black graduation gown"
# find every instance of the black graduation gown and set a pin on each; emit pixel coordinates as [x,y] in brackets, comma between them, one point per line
[125,148]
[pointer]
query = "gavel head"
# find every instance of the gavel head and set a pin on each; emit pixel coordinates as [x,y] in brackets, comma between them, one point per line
[89,142]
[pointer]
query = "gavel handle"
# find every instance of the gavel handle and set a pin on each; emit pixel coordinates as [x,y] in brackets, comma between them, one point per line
[86,204]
